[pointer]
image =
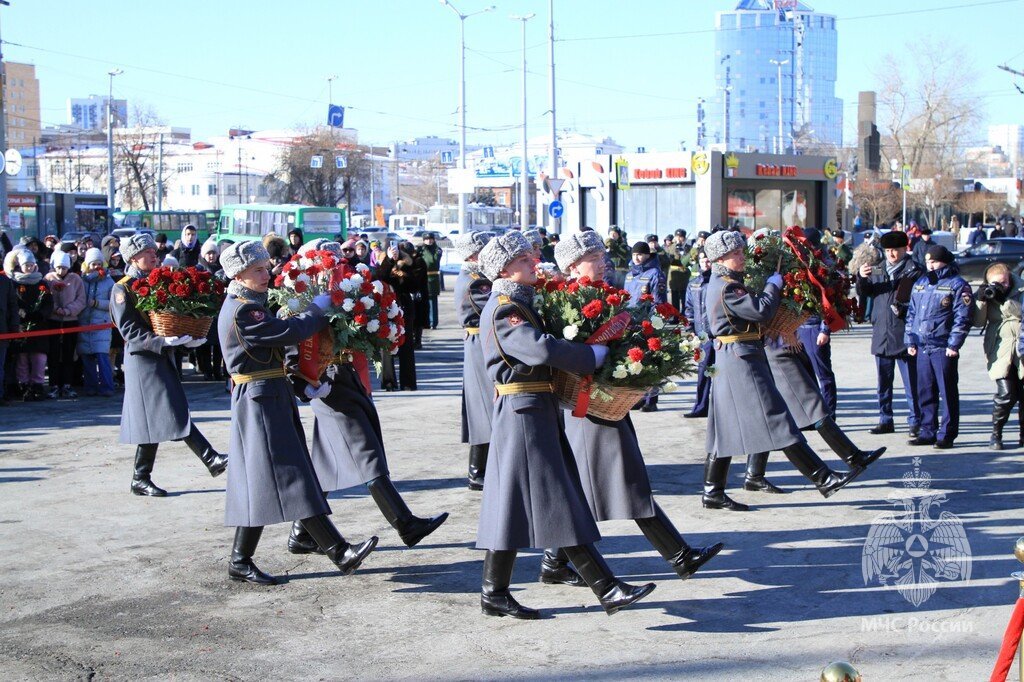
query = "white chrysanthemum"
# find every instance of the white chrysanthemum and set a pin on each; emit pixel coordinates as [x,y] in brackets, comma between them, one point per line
[658,322]
[348,305]
[294,305]
[347,285]
[393,310]
[636,367]
[373,325]
[356,280]
[669,386]
[367,302]
[304,263]
[362,267]
[570,332]
[393,334]
[619,372]
[378,287]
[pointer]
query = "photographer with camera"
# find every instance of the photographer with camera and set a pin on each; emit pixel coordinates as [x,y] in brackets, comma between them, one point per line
[997,307]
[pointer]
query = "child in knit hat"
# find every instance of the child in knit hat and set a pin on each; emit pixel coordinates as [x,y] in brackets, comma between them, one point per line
[68,292]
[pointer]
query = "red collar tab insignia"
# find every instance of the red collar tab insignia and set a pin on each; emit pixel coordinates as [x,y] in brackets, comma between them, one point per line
[257,315]
[515,320]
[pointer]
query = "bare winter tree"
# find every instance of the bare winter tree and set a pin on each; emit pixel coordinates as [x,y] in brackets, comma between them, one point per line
[299,181]
[927,114]
[877,196]
[135,159]
[423,184]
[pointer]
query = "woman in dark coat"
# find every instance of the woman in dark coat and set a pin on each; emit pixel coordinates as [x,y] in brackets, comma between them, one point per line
[397,269]
[270,478]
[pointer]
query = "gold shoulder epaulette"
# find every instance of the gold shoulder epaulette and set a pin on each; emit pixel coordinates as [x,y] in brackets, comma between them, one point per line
[124,280]
[474,275]
[503,299]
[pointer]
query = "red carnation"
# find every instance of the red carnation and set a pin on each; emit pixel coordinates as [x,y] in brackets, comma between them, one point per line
[337,297]
[552,285]
[614,299]
[292,272]
[161,297]
[572,287]
[383,332]
[359,307]
[154,277]
[585,281]
[647,328]
[361,319]
[654,343]
[300,287]
[636,354]
[647,298]
[203,288]
[186,290]
[365,288]
[383,317]
[279,281]
[696,354]
[178,276]
[143,291]
[593,309]
[667,310]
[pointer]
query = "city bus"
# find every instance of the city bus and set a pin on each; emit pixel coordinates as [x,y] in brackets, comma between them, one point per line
[169,223]
[253,221]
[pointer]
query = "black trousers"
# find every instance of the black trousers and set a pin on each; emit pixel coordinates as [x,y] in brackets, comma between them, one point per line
[61,357]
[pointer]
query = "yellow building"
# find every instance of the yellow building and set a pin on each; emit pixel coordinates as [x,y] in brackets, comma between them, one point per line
[21,104]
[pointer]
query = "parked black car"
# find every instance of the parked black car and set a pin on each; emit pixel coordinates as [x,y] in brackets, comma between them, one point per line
[974,260]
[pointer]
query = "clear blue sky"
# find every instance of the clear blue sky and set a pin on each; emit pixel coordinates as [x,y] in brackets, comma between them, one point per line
[213,64]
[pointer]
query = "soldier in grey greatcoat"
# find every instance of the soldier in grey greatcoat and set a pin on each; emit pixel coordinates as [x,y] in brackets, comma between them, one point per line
[270,475]
[744,378]
[791,369]
[612,468]
[472,289]
[695,312]
[532,495]
[155,408]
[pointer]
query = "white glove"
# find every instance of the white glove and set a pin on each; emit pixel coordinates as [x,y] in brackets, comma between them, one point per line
[195,343]
[318,393]
[323,301]
[600,353]
[171,341]
[776,279]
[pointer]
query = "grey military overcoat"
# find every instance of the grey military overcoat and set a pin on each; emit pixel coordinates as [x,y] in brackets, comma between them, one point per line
[532,493]
[348,446]
[270,475]
[746,414]
[611,466]
[792,371]
[472,290]
[155,408]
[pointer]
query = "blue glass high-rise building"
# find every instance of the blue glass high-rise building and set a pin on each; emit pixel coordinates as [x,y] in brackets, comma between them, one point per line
[752,44]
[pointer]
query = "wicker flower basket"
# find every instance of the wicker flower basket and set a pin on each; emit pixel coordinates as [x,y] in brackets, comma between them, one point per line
[611,403]
[173,324]
[784,325]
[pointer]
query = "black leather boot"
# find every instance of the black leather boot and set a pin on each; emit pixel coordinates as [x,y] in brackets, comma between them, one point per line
[555,569]
[495,599]
[301,542]
[810,465]
[241,567]
[478,465]
[346,557]
[614,594]
[841,444]
[664,537]
[410,528]
[215,462]
[145,456]
[715,472]
[1002,405]
[757,464]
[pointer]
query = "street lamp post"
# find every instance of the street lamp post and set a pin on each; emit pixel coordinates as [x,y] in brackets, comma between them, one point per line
[524,170]
[110,143]
[779,64]
[896,167]
[462,98]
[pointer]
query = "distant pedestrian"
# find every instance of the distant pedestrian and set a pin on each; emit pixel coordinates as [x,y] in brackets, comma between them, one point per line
[9,320]
[34,307]
[68,293]
[94,346]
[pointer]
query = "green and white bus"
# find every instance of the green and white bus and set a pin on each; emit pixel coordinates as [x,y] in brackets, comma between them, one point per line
[169,223]
[254,221]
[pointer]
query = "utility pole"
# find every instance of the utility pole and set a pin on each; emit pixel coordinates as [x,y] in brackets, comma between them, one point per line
[555,222]
[701,128]
[110,145]
[524,171]
[779,145]
[160,175]
[3,133]
[726,92]
[240,173]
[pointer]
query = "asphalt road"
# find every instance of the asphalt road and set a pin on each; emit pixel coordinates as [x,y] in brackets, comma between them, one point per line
[99,584]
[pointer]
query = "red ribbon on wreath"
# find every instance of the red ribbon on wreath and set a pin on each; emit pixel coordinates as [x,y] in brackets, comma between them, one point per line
[794,236]
[611,330]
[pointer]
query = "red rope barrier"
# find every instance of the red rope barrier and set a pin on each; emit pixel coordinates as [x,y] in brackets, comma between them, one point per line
[1010,642]
[52,332]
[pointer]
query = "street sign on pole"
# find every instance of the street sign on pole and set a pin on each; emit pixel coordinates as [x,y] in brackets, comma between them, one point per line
[556,209]
[316,162]
[340,162]
[335,116]
[446,157]
[905,179]
[554,185]
[488,152]
[12,161]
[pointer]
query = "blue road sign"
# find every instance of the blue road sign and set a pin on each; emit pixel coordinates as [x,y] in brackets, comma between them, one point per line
[446,157]
[335,116]
[556,209]
[488,152]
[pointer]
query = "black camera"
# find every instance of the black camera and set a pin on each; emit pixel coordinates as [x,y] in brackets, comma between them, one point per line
[992,292]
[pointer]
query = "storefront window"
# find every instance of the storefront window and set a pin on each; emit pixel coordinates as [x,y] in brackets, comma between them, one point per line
[768,204]
[794,208]
[741,208]
[656,209]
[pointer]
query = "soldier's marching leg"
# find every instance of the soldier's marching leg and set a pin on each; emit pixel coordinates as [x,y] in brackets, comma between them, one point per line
[215,462]
[241,566]
[810,465]
[410,528]
[346,556]
[841,444]
[613,594]
[477,465]
[664,537]
[555,569]
[145,457]
[495,599]
[716,470]
[757,464]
